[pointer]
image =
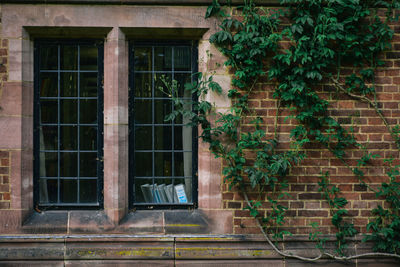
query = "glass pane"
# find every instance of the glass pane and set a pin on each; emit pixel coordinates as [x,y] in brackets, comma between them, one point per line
[68,84]
[68,138]
[88,111]
[182,79]
[143,164]
[162,108]
[48,190]
[183,190]
[48,164]
[48,138]
[183,163]
[143,85]
[88,164]
[69,57]
[163,137]
[88,138]
[88,57]
[48,57]
[68,191]
[162,85]
[48,84]
[88,191]
[144,191]
[142,58]
[48,111]
[88,84]
[68,164]
[183,138]
[143,138]
[163,163]
[143,111]
[68,111]
[182,58]
[162,58]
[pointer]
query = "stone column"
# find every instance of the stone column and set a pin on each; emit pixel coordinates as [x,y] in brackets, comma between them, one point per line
[116,125]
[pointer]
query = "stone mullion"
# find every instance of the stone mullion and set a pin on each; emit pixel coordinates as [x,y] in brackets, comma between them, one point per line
[115,125]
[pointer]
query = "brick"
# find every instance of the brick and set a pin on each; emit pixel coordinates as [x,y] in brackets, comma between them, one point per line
[392,55]
[4,170]
[313,205]
[296,204]
[350,196]
[359,205]
[4,188]
[234,205]
[4,205]
[5,179]
[368,196]
[383,80]
[374,204]
[391,105]
[3,52]
[227,196]
[242,213]
[373,129]
[312,213]
[360,188]
[295,187]
[6,196]
[4,154]
[345,187]
[5,162]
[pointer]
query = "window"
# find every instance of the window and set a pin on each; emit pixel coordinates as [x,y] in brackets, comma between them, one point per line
[163,154]
[68,119]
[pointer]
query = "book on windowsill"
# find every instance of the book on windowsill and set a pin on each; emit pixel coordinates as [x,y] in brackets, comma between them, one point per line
[171,195]
[180,193]
[161,191]
[147,192]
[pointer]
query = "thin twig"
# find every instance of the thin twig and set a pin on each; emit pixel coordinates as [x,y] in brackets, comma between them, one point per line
[370,102]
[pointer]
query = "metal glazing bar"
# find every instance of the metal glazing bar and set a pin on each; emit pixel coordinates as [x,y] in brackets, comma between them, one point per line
[58,123]
[153,118]
[74,71]
[79,118]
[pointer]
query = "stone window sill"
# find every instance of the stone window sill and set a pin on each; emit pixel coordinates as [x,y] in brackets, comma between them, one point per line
[141,222]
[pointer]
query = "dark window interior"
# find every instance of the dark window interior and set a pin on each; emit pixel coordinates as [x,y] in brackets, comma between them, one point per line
[162,153]
[68,123]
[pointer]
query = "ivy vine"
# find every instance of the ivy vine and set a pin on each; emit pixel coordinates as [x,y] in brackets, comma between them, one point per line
[298,47]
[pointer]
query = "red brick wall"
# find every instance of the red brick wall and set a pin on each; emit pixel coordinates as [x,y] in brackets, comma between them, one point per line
[5,156]
[306,204]
[5,180]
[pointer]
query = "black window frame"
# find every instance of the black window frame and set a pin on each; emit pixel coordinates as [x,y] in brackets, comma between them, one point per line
[194,61]
[100,125]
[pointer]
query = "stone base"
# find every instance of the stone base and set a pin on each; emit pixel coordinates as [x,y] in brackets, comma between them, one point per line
[162,250]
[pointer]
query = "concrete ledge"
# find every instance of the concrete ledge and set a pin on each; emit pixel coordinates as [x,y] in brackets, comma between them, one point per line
[141,222]
[200,250]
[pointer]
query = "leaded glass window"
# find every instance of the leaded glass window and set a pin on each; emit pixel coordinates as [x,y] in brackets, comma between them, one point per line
[68,129]
[163,160]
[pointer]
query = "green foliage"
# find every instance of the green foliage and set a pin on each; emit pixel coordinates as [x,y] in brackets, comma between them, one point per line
[320,39]
[385,227]
[337,206]
[315,236]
